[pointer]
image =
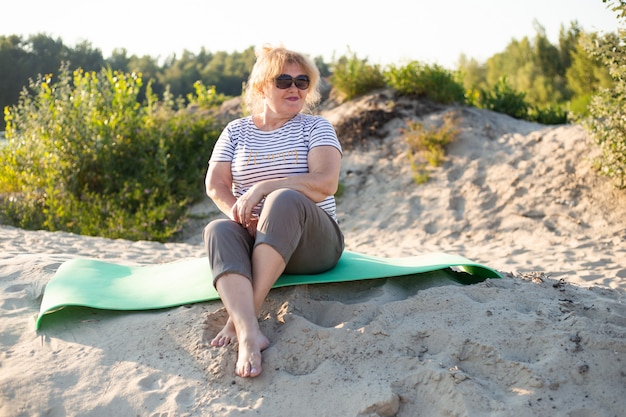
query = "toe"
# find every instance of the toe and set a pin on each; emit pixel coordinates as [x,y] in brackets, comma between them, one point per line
[250,368]
[220,341]
[243,371]
[254,371]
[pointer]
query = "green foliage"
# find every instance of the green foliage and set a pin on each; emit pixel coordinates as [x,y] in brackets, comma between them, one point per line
[535,66]
[226,71]
[548,115]
[427,144]
[85,156]
[586,75]
[353,77]
[430,81]
[504,99]
[556,80]
[473,74]
[22,59]
[607,124]
[205,97]
[617,6]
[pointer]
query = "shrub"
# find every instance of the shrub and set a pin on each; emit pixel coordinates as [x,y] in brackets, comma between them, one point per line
[504,99]
[353,77]
[547,115]
[427,145]
[85,156]
[432,82]
[205,97]
[607,124]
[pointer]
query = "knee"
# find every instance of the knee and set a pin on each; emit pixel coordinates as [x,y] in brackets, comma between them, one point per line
[213,228]
[284,197]
[284,206]
[217,228]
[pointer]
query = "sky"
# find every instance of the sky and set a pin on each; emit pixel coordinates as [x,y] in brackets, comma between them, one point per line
[383,32]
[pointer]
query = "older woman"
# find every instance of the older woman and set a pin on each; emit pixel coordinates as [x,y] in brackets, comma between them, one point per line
[274,175]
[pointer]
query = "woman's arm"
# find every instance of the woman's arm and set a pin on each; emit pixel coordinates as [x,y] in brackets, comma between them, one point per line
[321,181]
[218,183]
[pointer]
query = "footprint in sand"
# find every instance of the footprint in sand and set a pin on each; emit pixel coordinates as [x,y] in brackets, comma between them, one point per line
[151,382]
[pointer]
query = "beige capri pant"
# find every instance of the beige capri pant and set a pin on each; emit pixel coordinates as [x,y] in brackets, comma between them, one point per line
[307,238]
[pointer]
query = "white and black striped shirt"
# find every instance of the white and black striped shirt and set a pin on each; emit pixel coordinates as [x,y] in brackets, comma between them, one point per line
[256,155]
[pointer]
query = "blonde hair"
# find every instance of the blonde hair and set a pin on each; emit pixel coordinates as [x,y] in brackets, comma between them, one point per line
[270,64]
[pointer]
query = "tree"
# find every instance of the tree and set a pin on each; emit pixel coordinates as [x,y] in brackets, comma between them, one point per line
[119,60]
[149,69]
[14,70]
[181,75]
[46,54]
[536,67]
[85,56]
[586,75]
[474,73]
[568,40]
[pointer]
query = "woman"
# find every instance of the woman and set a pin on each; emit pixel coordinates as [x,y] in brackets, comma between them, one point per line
[274,175]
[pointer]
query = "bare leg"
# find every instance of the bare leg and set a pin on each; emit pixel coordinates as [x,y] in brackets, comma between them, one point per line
[243,300]
[236,293]
[271,267]
[267,266]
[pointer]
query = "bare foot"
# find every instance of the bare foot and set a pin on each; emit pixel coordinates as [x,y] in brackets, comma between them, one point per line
[249,355]
[225,336]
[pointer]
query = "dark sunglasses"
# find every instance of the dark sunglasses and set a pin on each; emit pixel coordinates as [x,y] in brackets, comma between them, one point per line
[284,81]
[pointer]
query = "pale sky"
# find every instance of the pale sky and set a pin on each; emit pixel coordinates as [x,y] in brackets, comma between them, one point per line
[384,32]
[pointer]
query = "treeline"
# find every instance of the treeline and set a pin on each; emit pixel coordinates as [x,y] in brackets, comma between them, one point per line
[564,74]
[23,59]
[561,76]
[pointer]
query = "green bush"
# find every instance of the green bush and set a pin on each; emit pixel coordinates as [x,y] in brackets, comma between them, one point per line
[85,156]
[547,115]
[353,77]
[504,99]
[607,124]
[579,105]
[432,82]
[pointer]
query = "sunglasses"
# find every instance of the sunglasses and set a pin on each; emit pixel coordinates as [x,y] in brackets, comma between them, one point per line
[284,81]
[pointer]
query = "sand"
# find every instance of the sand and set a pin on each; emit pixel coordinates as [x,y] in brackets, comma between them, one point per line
[548,339]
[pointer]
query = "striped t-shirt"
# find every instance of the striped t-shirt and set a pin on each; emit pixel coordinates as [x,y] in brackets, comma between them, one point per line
[256,155]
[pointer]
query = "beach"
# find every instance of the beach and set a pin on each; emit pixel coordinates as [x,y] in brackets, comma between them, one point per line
[546,339]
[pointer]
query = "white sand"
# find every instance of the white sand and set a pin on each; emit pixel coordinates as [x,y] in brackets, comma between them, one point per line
[549,339]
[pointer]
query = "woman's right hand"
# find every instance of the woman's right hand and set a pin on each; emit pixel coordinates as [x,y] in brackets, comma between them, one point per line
[252,226]
[242,210]
[251,222]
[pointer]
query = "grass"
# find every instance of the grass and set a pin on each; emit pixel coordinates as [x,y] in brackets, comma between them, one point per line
[427,144]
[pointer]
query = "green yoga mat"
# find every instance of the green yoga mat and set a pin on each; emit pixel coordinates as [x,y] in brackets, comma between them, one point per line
[110,286]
